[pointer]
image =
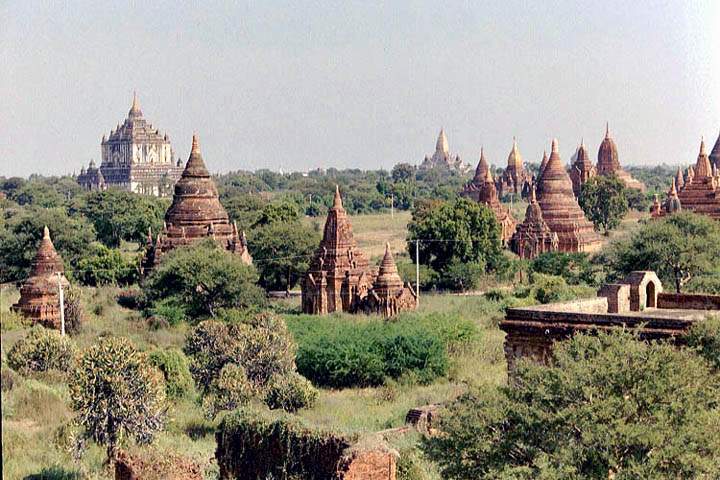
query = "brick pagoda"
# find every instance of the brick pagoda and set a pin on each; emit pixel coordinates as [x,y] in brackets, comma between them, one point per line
[715,154]
[515,178]
[389,295]
[561,211]
[533,237]
[339,276]
[482,189]
[39,295]
[581,170]
[701,191]
[609,163]
[195,214]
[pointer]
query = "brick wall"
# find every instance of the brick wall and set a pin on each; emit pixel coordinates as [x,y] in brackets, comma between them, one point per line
[689,301]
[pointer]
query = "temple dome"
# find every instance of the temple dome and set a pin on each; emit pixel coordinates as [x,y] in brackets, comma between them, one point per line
[608,160]
[515,159]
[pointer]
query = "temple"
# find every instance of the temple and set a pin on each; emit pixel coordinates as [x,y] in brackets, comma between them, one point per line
[700,192]
[560,210]
[442,159]
[482,189]
[515,179]
[389,295]
[581,169]
[135,157]
[715,154]
[195,213]
[533,236]
[339,275]
[92,178]
[609,163]
[638,302]
[39,294]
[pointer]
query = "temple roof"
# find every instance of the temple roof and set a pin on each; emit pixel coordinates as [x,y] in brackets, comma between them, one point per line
[583,162]
[608,160]
[679,180]
[515,160]
[135,128]
[388,276]
[715,153]
[47,260]
[135,108]
[442,143]
[482,168]
[543,164]
[703,168]
[555,179]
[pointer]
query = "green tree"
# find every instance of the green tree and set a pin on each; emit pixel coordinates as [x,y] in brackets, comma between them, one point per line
[575,268]
[116,393]
[20,237]
[106,266]
[403,172]
[678,248]
[282,212]
[603,200]
[284,251]
[243,208]
[205,278]
[609,407]
[121,215]
[460,231]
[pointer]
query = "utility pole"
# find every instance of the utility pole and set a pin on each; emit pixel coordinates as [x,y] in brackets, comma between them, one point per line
[417,272]
[62,305]
[392,205]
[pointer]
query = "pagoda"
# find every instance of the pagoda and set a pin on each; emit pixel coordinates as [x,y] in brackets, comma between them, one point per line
[581,170]
[483,190]
[515,178]
[679,179]
[609,163]
[442,158]
[561,211]
[92,178]
[39,294]
[339,276]
[701,191]
[715,154]
[533,237]
[543,164]
[389,295]
[195,213]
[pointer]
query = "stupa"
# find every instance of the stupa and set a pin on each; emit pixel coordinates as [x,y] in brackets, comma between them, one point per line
[339,276]
[533,236]
[543,164]
[609,163]
[39,294]
[483,190]
[701,192]
[715,154]
[561,211]
[389,295]
[195,213]
[442,159]
[581,170]
[679,179]
[515,178]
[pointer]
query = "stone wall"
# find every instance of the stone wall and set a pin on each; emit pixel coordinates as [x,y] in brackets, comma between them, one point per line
[689,301]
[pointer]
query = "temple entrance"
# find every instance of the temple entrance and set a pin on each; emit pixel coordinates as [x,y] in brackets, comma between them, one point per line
[650,295]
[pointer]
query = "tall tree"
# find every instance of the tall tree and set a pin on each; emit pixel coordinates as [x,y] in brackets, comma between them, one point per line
[604,202]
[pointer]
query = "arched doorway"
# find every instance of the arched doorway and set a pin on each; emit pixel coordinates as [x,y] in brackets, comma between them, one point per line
[650,295]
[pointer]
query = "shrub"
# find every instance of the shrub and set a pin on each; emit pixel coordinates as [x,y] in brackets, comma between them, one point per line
[174,367]
[705,337]
[107,266]
[169,310]
[12,320]
[74,312]
[129,297]
[291,392]
[41,350]
[7,379]
[228,391]
[463,276]
[575,268]
[549,288]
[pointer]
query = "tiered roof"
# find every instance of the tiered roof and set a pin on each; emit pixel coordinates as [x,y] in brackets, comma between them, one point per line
[135,128]
[533,236]
[39,294]
[609,163]
[561,211]
[389,295]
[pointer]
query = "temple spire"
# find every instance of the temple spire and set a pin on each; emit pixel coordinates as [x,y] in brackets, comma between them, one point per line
[337,201]
[442,143]
[607,129]
[195,144]
[46,233]
[554,148]
[135,108]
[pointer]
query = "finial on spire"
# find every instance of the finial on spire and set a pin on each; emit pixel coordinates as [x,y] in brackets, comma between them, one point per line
[702,145]
[607,129]
[46,233]
[554,148]
[582,142]
[337,201]
[195,144]
[533,198]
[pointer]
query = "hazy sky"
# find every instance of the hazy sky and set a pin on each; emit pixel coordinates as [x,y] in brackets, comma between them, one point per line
[298,85]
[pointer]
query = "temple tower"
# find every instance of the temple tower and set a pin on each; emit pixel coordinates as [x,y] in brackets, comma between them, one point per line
[389,295]
[339,276]
[715,154]
[533,236]
[195,213]
[515,178]
[609,163]
[39,294]
[442,159]
[581,170]
[561,211]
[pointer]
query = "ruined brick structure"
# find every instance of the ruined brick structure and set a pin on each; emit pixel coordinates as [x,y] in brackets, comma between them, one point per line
[715,154]
[135,157]
[515,179]
[339,276]
[700,192]
[389,295]
[39,294]
[581,169]
[560,209]
[609,163]
[636,302]
[533,236]
[482,189]
[442,159]
[195,214]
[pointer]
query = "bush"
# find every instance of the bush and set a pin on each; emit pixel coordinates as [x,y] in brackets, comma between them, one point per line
[129,298]
[74,312]
[107,266]
[228,391]
[169,310]
[174,367]
[12,320]
[575,268]
[365,352]
[41,350]
[550,288]
[705,337]
[291,392]
[7,379]
[462,276]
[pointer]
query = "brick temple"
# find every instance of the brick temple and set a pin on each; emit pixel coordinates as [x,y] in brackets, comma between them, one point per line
[533,236]
[581,170]
[389,295]
[638,302]
[39,294]
[609,163]
[483,190]
[700,191]
[515,179]
[560,210]
[195,213]
[715,154]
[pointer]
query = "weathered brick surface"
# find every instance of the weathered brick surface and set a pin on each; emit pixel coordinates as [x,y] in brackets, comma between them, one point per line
[689,301]
[370,465]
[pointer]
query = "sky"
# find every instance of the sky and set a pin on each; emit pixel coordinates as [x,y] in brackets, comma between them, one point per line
[299,85]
